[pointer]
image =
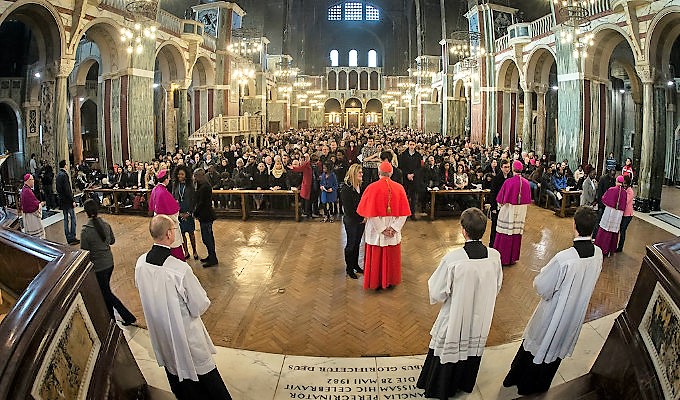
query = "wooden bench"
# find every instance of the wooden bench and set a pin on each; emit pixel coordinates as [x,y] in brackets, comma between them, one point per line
[115,206]
[565,207]
[476,192]
[246,211]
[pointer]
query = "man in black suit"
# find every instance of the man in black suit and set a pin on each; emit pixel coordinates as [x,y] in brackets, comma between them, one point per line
[204,212]
[410,162]
[496,185]
[67,203]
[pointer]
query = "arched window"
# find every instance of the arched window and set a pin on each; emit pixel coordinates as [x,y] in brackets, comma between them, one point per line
[372,59]
[334,58]
[353,58]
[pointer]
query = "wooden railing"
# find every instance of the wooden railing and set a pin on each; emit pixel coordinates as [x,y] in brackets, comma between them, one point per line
[58,337]
[228,126]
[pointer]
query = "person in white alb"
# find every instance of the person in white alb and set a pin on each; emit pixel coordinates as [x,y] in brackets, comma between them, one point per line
[173,301]
[564,285]
[466,283]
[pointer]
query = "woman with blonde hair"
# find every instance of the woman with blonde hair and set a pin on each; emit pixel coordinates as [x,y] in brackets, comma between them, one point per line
[350,194]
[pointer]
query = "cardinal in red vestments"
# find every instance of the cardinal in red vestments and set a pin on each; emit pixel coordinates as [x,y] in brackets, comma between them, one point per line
[385,207]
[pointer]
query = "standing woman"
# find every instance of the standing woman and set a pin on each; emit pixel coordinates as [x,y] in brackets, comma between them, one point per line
[162,202]
[97,237]
[183,191]
[350,195]
[627,169]
[628,211]
[31,208]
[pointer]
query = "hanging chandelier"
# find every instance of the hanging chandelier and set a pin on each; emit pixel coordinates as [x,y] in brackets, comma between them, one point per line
[143,14]
[245,47]
[575,19]
[466,48]
[243,74]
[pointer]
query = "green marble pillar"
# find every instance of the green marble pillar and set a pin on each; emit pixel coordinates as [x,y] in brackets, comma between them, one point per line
[569,142]
[60,124]
[539,144]
[140,118]
[647,147]
[526,124]
[182,119]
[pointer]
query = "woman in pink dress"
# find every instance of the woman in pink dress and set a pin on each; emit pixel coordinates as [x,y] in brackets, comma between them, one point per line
[614,199]
[628,212]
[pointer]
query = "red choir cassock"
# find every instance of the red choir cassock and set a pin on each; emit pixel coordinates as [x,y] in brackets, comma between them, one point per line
[514,197]
[385,207]
[614,200]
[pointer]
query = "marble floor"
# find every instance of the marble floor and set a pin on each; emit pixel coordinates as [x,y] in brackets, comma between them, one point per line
[253,375]
[280,286]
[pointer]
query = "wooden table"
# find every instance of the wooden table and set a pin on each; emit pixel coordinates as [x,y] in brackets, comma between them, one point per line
[566,195]
[243,193]
[116,192]
[477,192]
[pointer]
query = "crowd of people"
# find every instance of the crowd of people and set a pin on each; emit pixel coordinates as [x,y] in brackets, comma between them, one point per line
[377,178]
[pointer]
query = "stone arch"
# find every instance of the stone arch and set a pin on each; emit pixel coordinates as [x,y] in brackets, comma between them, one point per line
[374,105]
[342,80]
[103,33]
[332,80]
[363,80]
[540,61]
[353,102]
[607,38]
[459,90]
[375,82]
[662,33]
[83,69]
[15,109]
[170,62]
[332,105]
[45,21]
[353,80]
[508,75]
[203,72]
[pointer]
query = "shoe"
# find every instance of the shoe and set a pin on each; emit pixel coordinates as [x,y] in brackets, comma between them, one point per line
[325,219]
[352,275]
[210,263]
[74,242]
[128,323]
[331,219]
[203,260]
[359,270]
[195,256]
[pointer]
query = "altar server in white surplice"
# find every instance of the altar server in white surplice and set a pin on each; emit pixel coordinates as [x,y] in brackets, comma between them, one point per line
[466,282]
[565,286]
[173,301]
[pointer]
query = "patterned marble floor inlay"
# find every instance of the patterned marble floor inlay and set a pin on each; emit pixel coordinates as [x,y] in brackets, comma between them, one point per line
[262,376]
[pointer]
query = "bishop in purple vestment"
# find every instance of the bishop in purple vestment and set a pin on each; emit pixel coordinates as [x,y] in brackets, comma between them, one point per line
[513,198]
[161,201]
[614,200]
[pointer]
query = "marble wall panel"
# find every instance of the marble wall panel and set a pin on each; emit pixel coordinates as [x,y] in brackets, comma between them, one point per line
[47,120]
[140,118]
[116,151]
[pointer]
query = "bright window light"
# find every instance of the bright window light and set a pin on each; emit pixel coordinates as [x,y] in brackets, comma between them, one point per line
[354,11]
[334,58]
[353,58]
[372,59]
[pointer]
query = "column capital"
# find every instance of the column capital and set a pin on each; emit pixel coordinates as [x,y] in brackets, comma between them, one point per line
[541,89]
[527,86]
[647,73]
[64,67]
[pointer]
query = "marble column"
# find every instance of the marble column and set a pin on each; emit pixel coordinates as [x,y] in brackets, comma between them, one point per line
[660,148]
[528,117]
[170,119]
[647,145]
[60,123]
[539,146]
[140,117]
[76,129]
[183,119]
[669,139]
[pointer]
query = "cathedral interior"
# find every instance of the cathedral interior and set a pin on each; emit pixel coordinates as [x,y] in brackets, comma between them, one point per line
[99,82]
